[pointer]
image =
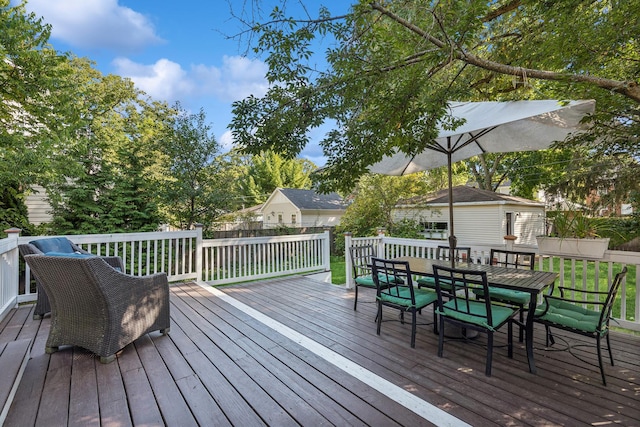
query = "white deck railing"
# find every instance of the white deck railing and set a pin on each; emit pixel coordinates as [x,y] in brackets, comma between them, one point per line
[183,255]
[573,273]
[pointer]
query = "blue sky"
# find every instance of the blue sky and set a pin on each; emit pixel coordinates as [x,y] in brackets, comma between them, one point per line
[174,51]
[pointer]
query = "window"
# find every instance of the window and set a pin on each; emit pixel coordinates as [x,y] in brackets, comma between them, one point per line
[280,218]
[435,230]
[293,218]
[509,223]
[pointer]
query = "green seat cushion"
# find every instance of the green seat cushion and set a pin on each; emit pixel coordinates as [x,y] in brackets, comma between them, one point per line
[423,297]
[507,295]
[430,282]
[383,278]
[498,313]
[571,315]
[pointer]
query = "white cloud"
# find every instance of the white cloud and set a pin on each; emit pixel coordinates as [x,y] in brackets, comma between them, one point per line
[169,81]
[226,141]
[96,24]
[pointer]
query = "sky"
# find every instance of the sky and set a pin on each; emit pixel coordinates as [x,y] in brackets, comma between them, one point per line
[173,51]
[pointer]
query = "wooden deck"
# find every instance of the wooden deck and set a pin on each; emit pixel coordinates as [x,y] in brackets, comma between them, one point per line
[225,365]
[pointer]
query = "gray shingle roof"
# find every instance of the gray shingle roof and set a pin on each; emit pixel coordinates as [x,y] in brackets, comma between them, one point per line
[309,199]
[465,194]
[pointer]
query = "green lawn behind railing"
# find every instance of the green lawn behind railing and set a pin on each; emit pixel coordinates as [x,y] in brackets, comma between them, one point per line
[338,274]
[585,278]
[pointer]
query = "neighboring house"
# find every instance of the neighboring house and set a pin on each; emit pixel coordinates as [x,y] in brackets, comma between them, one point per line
[479,216]
[38,206]
[245,219]
[293,207]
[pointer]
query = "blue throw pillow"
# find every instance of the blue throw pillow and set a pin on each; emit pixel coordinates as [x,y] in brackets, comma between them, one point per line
[53,244]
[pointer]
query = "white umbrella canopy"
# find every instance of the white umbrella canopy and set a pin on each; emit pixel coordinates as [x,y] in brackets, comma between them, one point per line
[491,127]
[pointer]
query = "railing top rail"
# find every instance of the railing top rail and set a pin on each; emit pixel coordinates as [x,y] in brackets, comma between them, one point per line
[118,237]
[257,240]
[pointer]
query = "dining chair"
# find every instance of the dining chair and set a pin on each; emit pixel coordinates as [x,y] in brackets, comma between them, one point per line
[461,253]
[520,299]
[395,289]
[589,316]
[361,264]
[457,305]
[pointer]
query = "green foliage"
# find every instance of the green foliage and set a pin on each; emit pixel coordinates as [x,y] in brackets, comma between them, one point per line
[406,228]
[393,66]
[196,189]
[268,170]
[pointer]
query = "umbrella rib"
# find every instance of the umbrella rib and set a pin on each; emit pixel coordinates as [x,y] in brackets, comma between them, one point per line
[474,138]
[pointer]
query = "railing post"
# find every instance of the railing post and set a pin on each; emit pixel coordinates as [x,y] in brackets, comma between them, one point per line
[348,266]
[380,250]
[199,251]
[326,251]
[13,261]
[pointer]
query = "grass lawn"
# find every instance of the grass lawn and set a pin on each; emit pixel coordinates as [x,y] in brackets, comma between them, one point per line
[338,275]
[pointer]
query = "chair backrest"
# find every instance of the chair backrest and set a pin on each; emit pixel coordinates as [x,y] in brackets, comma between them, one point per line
[461,253]
[361,259]
[393,278]
[513,259]
[605,314]
[455,287]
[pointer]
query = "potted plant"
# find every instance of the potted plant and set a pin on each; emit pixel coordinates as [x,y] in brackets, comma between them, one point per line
[573,235]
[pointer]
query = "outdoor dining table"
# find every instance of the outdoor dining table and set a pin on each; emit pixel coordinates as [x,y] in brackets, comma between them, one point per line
[530,281]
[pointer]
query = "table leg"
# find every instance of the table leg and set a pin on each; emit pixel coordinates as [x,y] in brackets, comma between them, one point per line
[529,331]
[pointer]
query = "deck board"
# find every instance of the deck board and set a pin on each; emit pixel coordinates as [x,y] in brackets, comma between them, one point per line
[221,366]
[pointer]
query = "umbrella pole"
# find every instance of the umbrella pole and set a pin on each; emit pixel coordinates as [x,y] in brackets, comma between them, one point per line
[453,241]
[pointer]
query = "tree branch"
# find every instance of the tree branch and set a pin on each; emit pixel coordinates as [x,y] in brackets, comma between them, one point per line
[630,89]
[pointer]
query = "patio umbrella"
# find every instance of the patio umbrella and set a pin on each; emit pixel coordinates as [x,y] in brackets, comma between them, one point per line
[491,127]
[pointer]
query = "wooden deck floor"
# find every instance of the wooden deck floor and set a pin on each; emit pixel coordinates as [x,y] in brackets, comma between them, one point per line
[224,365]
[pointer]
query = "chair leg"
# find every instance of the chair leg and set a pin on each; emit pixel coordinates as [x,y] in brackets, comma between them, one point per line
[510,339]
[379,318]
[609,347]
[435,321]
[441,336]
[521,326]
[413,328]
[487,370]
[604,381]
[107,359]
[355,300]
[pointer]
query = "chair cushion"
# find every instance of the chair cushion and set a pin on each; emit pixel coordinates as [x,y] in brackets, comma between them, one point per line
[70,255]
[368,280]
[571,315]
[506,295]
[499,313]
[53,244]
[423,297]
[430,282]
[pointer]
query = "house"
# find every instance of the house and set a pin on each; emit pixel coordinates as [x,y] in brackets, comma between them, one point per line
[479,216]
[293,207]
[38,206]
[245,219]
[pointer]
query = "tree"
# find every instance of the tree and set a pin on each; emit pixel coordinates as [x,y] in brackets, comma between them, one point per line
[393,67]
[268,170]
[33,99]
[107,172]
[196,190]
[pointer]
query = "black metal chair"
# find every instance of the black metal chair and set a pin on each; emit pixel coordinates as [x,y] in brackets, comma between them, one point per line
[458,306]
[394,288]
[361,257]
[511,259]
[574,315]
[462,254]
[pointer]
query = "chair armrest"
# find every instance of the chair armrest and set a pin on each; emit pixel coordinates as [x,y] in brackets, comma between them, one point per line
[582,291]
[573,301]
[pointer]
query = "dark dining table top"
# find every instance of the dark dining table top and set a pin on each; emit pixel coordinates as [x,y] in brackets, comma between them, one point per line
[532,281]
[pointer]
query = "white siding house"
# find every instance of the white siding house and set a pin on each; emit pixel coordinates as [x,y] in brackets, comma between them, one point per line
[38,207]
[302,208]
[479,216]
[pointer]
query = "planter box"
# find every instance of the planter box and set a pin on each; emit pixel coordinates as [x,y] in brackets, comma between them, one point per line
[570,247]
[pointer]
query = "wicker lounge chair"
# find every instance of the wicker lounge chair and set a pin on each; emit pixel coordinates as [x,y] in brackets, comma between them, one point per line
[60,245]
[96,307]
